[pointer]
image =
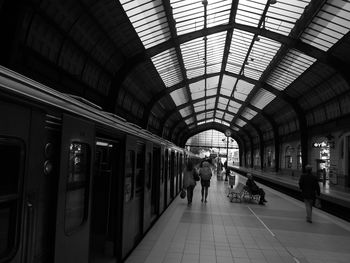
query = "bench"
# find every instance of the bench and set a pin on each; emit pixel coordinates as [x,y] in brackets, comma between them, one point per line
[247,194]
[236,192]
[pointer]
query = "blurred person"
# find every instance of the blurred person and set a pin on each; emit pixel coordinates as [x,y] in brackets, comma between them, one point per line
[205,174]
[255,189]
[189,180]
[309,187]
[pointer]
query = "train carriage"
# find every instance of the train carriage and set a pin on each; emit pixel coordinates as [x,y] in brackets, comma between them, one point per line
[78,184]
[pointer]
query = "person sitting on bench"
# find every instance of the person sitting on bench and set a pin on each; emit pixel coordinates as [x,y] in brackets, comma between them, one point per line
[254,189]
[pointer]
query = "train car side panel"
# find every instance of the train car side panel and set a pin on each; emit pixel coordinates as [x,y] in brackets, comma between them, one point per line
[74,191]
[14,141]
[133,194]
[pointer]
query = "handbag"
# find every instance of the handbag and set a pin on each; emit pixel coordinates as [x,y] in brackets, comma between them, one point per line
[195,175]
[318,203]
[183,194]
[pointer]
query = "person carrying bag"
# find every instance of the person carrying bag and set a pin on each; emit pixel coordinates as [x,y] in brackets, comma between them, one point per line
[189,181]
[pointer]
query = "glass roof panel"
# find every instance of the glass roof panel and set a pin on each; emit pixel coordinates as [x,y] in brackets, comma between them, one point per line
[219,114]
[191,126]
[186,111]
[262,53]
[329,25]
[213,82]
[249,12]
[149,20]
[240,122]
[211,139]
[215,51]
[227,85]
[228,117]
[238,50]
[190,121]
[201,116]
[210,103]
[262,98]
[282,16]
[248,113]
[291,67]
[179,96]
[197,87]
[188,15]
[199,106]
[193,56]
[233,106]
[210,114]
[218,12]
[168,67]
[243,89]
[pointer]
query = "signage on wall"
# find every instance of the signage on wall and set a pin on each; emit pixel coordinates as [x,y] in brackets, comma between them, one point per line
[323,144]
[319,144]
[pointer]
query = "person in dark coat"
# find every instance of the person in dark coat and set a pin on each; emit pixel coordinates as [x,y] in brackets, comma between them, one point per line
[255,189]
[309,187]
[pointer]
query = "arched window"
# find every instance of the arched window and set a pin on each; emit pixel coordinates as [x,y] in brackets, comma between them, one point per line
[269,157]
[299,160]
[288,157]
[257,158]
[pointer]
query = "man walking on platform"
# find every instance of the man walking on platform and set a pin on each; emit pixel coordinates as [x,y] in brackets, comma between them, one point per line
[309,187]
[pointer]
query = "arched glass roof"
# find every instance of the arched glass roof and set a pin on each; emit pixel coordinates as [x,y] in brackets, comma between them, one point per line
[217,52]
[211,139]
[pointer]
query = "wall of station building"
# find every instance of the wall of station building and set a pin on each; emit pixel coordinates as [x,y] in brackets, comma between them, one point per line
[328,155]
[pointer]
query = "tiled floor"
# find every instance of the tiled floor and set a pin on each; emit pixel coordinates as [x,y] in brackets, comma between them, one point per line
[221,231]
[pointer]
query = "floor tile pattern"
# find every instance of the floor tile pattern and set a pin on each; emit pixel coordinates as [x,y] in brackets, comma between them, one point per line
[221,232]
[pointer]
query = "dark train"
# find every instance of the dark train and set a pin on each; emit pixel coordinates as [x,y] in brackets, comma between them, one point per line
[77,183]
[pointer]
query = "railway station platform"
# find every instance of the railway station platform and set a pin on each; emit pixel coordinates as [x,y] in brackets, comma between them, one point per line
[222,231]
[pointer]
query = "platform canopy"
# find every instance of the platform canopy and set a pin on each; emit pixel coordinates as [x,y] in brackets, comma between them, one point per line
[262,68]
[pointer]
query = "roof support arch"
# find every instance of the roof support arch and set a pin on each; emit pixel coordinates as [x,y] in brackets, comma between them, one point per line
[290,42]
[218,127]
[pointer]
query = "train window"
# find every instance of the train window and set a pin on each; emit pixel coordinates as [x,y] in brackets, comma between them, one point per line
[129,176]
[162,168]
[140,168]
[11,164]
[149,170]
[77,186]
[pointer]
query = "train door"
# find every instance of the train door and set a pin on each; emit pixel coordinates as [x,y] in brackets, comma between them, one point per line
[133,194]
[172,175]
[147,204]
[176,168]
[106,202]
[162,184]
[167,178]
[180,171]
[156,181]
[73,200]
[14,127]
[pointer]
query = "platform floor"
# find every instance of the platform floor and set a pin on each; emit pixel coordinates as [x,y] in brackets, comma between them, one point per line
[221,231]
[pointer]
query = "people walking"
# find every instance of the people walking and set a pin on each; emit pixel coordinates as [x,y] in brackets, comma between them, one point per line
[309,187]
[189,181]
[205,174]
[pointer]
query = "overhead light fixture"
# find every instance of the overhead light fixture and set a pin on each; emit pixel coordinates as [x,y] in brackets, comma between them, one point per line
[272,2]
